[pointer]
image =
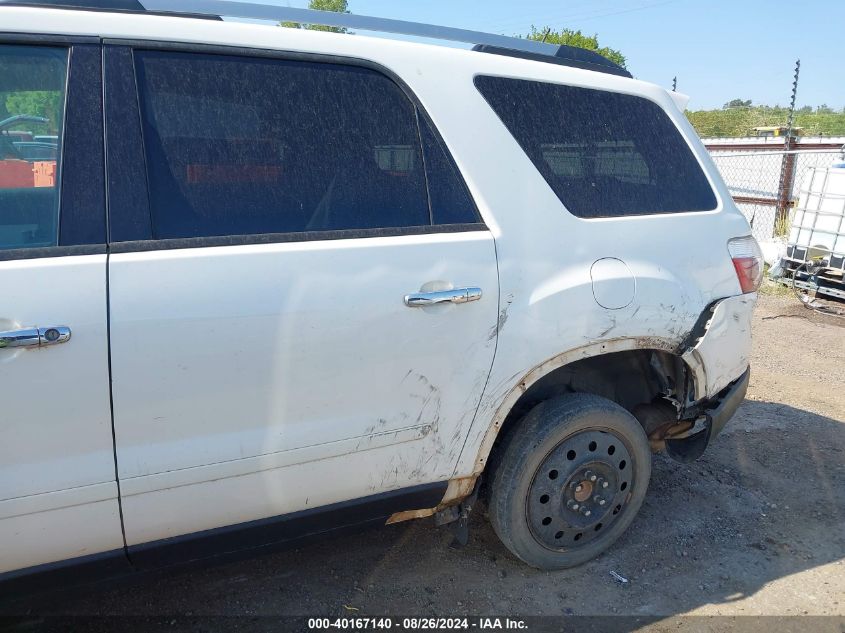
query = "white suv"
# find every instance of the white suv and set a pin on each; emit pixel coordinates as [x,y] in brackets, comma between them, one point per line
[262,283]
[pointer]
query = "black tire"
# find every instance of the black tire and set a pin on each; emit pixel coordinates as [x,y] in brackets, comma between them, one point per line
[561,444]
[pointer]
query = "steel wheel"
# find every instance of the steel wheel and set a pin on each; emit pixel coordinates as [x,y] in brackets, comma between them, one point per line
[579,489]
[568,480]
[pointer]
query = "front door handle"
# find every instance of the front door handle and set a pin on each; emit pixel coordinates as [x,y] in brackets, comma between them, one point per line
[35,337]
[456,295]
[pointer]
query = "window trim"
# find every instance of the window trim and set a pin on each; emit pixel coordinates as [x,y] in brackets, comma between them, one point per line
[288,238]
[720,202]
[147,244]
[44,39]
[42,252]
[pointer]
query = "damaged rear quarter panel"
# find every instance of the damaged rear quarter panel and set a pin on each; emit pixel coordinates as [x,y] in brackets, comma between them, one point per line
[722,353]
[553,318]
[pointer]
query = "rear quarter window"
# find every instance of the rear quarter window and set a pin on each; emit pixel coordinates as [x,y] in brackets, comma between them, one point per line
[604,154]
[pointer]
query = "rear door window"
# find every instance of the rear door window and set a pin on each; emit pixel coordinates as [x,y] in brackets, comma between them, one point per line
[604,154]
[32,112]
[242,146]
[451,203]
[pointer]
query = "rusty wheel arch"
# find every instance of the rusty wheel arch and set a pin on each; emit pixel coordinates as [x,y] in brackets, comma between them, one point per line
[515,404]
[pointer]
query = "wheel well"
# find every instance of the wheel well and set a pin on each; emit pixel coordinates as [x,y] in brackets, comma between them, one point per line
[629,378]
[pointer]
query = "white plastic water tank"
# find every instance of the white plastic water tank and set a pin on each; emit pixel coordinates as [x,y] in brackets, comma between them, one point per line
[818,221]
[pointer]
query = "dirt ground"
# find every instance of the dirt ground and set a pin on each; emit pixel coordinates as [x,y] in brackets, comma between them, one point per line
[757,526]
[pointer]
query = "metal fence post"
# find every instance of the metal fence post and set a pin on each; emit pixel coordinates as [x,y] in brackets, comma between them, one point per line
[786,183]
[787,169]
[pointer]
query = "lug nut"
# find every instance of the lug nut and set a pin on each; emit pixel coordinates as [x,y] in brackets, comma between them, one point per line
[601,502]
[572,505]
[604,484]
[585,512]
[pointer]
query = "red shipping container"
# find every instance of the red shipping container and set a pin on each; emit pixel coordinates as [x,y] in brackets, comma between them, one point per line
[16,174]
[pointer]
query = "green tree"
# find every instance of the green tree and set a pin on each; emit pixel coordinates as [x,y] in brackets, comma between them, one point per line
[337,6]
[45,103]
[569,37]
[737,103]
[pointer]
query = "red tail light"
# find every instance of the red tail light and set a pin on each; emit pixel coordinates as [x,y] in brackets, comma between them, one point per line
[748,262]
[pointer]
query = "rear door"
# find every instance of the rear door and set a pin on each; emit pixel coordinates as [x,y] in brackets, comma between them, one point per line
[58,494]
[269,351]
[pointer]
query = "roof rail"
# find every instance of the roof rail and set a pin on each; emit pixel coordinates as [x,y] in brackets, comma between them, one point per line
[93,5]
[483,42]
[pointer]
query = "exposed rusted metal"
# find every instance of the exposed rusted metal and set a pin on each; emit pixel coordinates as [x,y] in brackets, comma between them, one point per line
[672,430]
[457,490]
[588,351]
[775,148]
[656,418]
[407,515]
[583,491]
[787,179]
[657,439]
[761,200]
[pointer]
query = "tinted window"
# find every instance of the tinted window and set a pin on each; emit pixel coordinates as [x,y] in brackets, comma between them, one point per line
[32,104]
[603,153]
[450,200]
[238,146]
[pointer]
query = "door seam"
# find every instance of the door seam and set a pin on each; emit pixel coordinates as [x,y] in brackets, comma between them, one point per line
[497,331]
[108,296]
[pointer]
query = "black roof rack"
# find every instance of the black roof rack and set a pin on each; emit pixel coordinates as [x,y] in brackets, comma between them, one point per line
[215,9]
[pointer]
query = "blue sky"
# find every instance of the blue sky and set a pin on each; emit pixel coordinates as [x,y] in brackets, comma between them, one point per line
[718,49]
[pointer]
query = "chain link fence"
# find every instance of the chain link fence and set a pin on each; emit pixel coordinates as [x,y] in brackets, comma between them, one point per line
[765,175]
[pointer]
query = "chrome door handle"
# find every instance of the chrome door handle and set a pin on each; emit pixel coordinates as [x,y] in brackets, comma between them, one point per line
[35,337]
[456,295]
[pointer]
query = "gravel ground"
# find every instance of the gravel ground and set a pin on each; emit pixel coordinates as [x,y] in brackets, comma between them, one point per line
[754,527]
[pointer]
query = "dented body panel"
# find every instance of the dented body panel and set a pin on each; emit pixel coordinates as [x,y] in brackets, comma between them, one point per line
[719,356]
[718,359]
[722,354]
